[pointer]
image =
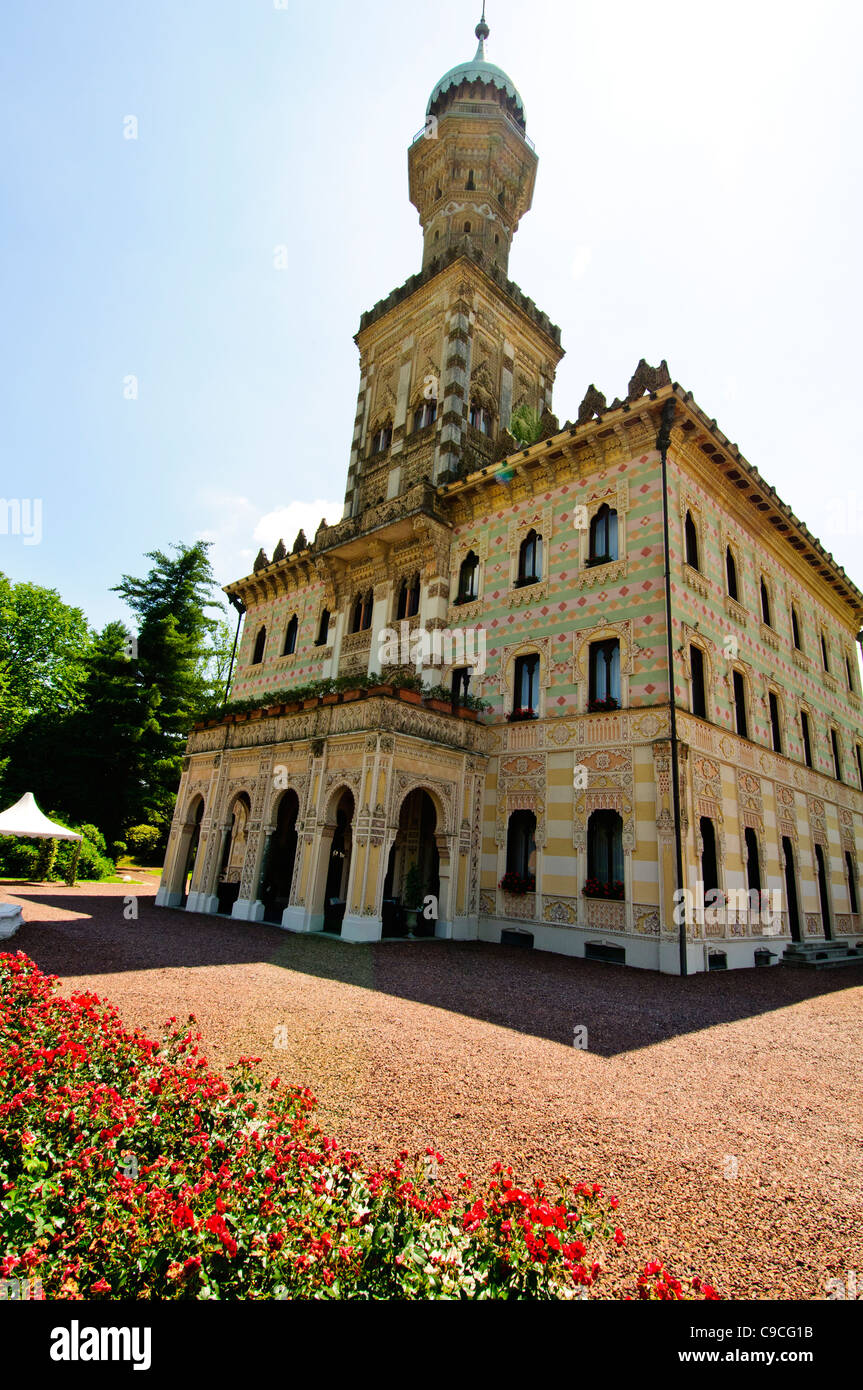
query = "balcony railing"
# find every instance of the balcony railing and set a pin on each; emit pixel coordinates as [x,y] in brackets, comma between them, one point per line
[473,108]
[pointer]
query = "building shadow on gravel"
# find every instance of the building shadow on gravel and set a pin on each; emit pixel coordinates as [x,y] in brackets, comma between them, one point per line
[543,995]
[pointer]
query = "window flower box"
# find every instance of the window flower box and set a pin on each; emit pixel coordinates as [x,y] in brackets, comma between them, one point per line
[599,888]
[520,714]
[517,883]
[330,699]
[380,690]
[311,702]
[442,706]
[601,706]
[411,697]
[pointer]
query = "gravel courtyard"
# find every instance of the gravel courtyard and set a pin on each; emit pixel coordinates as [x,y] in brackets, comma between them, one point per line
[724,1110]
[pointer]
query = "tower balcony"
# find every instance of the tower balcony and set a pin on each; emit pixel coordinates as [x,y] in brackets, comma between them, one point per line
[478,110]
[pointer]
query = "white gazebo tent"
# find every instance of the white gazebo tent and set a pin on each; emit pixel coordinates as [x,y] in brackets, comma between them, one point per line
[25,819]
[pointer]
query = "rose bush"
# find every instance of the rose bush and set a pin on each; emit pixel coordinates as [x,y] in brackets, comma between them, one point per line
[128,1169]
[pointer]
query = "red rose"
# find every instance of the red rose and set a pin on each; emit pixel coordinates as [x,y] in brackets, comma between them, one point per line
[183,1217]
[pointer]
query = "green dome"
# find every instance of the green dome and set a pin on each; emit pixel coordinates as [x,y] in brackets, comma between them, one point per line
[479,70]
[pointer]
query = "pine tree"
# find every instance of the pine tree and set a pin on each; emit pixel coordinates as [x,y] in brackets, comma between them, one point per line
[174,639]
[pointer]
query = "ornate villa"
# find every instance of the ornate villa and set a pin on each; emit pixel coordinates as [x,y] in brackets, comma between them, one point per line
[536,803]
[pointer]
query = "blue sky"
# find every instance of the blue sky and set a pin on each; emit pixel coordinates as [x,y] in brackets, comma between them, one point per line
[698,199]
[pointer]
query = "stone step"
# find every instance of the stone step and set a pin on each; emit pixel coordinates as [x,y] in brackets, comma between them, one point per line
[821,955]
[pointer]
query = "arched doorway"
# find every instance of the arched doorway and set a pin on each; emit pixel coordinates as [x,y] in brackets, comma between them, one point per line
[413,870]
[791,888]
[233,853]
[823,892]
[278,871]
[339,863]
[193,824]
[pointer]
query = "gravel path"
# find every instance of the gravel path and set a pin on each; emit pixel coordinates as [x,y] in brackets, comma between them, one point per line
[724,1110]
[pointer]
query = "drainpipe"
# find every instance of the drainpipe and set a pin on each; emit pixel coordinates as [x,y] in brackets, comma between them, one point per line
[663,439]
[241,608]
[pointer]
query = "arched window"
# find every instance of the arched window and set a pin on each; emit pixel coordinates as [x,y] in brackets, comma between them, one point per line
[775,725]
[858,753]
[468,578]
[603,536]
[402,600]
[605,849]
[521,844]
[425,414]
[699,691]
[824,660]
[291,637]
[525,695]
[260,644]
[851,875]
[807,738]
[753,862]
[459,683]
[604,671]
[408,602]
[362,612]
[709,859]
[467,226]
[849,675]
[470,186]
[765,603]
[837,754]
[740,721]
[795,629]
[480,418]
[530,559]
[691,537]
[731,574]
[382,439]
[323,628]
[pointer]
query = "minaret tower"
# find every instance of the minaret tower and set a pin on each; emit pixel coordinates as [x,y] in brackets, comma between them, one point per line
[447,357]
[473,171]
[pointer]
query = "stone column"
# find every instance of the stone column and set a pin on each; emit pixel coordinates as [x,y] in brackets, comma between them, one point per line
[170,891]
[362,920]
[448,864]
[248,907]
[205,898]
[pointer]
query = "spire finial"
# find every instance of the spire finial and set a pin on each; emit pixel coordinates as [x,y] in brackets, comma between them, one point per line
[482,32]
